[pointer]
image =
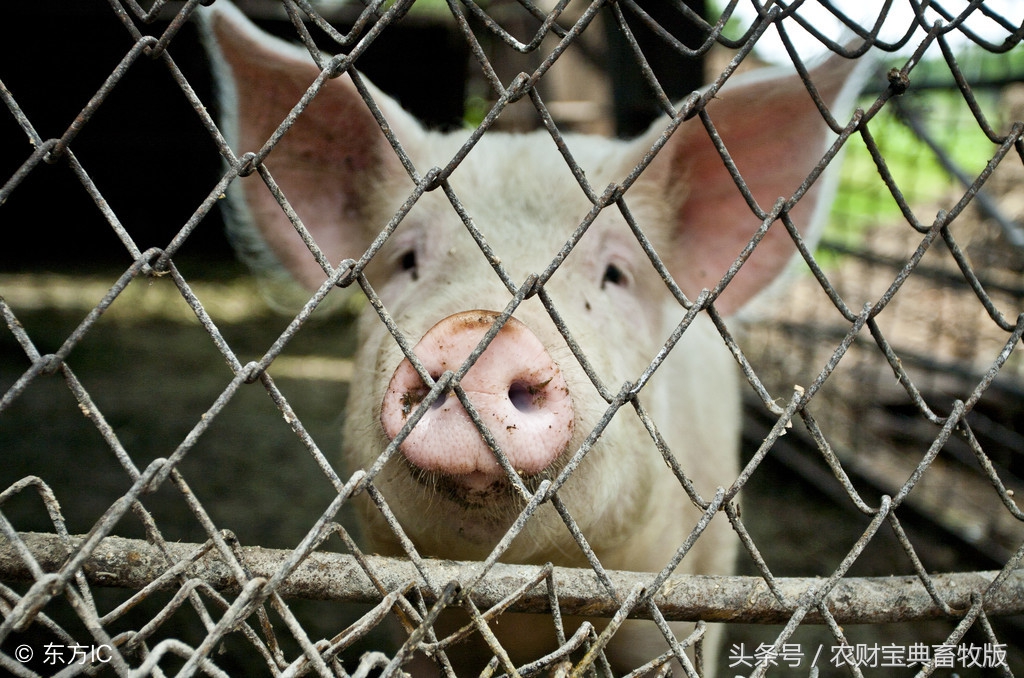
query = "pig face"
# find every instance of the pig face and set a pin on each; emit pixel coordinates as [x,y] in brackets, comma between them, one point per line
[606,278]
[549,403]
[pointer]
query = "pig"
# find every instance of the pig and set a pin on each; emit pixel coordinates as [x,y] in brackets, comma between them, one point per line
[454,490]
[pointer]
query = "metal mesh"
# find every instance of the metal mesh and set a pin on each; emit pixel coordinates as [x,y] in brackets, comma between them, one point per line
[122,559]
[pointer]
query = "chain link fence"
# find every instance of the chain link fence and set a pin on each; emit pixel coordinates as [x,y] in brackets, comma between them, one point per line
[174,502]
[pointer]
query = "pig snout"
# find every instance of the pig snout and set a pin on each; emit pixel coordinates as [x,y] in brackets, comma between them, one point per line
[515,387]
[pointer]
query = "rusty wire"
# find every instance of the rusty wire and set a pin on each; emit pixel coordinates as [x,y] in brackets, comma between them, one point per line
[233,587]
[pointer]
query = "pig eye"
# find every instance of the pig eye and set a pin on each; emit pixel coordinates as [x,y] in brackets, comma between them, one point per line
[615,276]
[407,262]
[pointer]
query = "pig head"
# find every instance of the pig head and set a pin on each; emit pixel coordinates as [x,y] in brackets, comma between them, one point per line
[563,390]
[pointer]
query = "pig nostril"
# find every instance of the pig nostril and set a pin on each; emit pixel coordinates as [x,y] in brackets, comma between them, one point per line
[441,397]
[523,397]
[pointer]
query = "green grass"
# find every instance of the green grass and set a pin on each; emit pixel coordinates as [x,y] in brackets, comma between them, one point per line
[863,200]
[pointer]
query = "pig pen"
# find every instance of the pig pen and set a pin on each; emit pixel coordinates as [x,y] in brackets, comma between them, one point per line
[186,576]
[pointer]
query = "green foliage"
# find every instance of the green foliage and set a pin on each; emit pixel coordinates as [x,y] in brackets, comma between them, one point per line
[863,199]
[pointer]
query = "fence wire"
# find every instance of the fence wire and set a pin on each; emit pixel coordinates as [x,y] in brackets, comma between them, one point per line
[900,332]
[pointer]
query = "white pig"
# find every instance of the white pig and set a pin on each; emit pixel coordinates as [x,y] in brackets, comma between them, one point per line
[445,485]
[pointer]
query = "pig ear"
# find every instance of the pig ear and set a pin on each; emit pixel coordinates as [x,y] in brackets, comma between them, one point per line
[776,135]
[331,165]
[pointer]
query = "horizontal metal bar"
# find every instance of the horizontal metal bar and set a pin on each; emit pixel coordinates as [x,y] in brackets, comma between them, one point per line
[134,564]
